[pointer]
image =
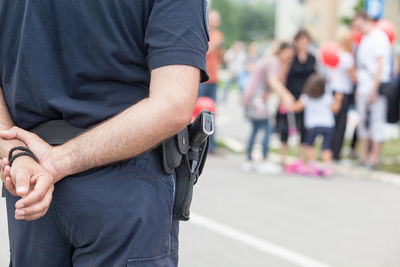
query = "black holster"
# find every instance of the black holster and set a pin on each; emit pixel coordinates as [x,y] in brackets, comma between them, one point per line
[178,157]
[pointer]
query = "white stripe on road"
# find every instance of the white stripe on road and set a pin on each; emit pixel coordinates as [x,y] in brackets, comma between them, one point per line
[255,242]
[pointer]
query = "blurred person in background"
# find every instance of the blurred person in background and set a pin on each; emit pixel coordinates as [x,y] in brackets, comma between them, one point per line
[250,61]
[214,58]
[303,65]
[341,81]
[265,78]
[319,107]
[235,59]
[373,70]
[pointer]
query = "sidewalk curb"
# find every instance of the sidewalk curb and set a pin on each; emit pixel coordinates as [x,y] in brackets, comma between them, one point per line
[351,171]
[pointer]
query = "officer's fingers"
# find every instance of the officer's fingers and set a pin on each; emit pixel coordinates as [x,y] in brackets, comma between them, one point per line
[8,134]
[6,162]
[22,182]
[35,211]
[10,186]
[7,171]
[34,179]
[43,185]
[33,141]
[2,166]
[15,133]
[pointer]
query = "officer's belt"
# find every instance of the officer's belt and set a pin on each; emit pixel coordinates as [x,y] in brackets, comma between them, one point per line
[57,132]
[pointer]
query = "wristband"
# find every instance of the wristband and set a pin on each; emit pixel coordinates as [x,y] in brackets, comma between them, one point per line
[12,150]
[25,152]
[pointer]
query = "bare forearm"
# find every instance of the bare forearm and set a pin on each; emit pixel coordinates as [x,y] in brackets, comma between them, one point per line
[378,73]
[352,75]
[135,130]
[298,106]
[5,124]
[277,86]
[129,134]
[337,103]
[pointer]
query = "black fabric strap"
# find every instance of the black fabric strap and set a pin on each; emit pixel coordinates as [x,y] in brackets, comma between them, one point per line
[20,154]
[21,148]
[57,132]
[25,152]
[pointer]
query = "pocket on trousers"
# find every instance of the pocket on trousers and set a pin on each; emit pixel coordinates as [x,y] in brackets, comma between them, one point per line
[140,161]
[152,243]
[167,260]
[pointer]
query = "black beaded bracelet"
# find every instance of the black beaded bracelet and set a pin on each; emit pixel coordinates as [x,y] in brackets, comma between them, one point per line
[26,152]
[12,150]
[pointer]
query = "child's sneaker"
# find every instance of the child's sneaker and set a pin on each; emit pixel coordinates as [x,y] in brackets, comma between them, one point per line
[313,170]
[300,168]
[290,169]
[269,167]
[292,131]
[327,171]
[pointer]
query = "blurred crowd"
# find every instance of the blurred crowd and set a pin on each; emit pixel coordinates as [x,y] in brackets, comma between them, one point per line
[357,70]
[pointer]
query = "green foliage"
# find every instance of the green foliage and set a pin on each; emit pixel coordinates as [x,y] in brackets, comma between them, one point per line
[244,21]
[359,6]
[229,23]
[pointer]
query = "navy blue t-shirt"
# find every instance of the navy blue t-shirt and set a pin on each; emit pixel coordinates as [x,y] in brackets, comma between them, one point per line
[86,60]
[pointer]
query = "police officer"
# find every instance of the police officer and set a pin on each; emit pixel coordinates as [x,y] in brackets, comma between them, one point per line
[127,74]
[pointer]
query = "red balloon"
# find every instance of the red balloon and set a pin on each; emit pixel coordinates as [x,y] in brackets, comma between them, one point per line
[357,37]
[203,103]
[330,54]
[388,27]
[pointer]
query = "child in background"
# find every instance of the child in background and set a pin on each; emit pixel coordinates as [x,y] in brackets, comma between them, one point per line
[319,108]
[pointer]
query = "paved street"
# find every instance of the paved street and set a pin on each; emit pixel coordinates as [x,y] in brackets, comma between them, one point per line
[339,222]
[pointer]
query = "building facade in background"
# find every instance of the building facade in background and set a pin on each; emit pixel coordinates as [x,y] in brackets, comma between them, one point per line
[392,13]
[322,17]
[289,18]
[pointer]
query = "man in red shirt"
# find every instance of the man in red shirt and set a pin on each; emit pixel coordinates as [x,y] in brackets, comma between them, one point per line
[214,58]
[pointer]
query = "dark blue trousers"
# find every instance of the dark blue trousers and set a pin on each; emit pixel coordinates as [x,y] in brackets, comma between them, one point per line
[119,215]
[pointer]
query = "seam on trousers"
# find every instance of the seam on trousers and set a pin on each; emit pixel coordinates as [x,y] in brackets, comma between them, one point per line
[153,258]
[77,228]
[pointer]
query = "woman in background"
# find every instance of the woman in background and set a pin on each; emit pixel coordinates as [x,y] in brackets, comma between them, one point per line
[303,65]
[266,77]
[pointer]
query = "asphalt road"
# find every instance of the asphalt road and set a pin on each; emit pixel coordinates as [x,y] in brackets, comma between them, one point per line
[336,222]
[331,222]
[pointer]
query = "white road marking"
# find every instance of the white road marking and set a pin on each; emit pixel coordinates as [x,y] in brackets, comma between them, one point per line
[255,242]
